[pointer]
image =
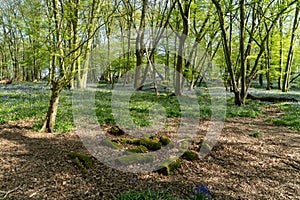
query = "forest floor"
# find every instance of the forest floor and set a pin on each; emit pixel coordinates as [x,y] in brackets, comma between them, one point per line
[36,166]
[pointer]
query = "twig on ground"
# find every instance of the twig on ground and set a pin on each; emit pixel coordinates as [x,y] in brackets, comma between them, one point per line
[6,193]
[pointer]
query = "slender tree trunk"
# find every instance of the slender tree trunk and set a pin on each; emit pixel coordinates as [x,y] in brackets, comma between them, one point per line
[242,52]
[49,122]
[267,63]
[280,54]
[227,53]
[288,69]
[140,47]
[185,15]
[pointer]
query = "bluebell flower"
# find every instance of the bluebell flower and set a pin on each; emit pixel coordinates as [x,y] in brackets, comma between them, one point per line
[202,193]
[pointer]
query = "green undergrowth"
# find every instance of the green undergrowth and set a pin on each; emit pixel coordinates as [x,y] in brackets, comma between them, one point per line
[290,116]
[252,109]
[30,101]
[148,194]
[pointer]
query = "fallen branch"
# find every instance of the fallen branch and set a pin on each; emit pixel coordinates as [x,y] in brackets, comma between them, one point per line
[292,165]
[6,81]
[8,192]
[272,99]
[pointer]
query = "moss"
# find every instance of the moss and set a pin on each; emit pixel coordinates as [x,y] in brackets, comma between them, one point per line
[164,140]
[133,141]
[190,155]
[152,145]
[167,167]
[83,161]
[204,146]
[135,158]
[120,140]
[115,130]
[111,144]
[139,149]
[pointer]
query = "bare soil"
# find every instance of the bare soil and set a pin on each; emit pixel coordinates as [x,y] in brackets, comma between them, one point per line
[36,166]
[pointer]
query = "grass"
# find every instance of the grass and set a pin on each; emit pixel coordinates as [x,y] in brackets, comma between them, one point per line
[255,134]
[30,101]
[149,195]
[252,109]
[290,117]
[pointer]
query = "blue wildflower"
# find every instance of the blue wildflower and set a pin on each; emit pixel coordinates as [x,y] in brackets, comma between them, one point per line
[201,193]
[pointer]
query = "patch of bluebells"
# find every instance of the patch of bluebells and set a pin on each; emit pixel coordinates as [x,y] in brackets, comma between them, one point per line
[202,193]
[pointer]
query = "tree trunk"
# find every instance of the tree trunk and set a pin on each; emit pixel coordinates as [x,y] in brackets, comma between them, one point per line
[288,68]
[49,122]
[185,14]
[140,47]
[242,52]
[267,63]
[281,54]
[227,54]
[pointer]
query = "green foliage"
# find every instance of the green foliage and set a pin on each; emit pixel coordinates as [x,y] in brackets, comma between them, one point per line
[252,109]
[30,101]
[290,117]
[255,134]
[149,195]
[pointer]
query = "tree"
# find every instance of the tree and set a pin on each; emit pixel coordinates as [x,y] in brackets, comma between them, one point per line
[263,18]
[288,68]
[185,9]
[64,53]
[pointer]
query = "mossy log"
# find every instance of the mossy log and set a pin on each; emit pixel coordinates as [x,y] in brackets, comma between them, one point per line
[168,166]
[272,99]
[164,140]
[190,155]
[139,149]
[135,158]
[126,141]
[151,144]
[116,131]
[111,144]
[6,81]
[83,161]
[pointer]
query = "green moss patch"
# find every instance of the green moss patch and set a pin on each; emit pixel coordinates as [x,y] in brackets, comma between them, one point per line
[204,146]
[83,161]
[167,167]
[139,149]
[164,140]
[151,144]
[190,155]
[111,144]
[135,158]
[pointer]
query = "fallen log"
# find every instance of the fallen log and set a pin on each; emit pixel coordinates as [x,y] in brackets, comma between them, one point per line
[272,99]
[6,81]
